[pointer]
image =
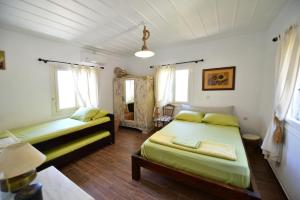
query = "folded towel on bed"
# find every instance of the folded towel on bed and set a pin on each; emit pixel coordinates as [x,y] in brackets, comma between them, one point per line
[186,142]
[209,148]
[162,139]
[218,150]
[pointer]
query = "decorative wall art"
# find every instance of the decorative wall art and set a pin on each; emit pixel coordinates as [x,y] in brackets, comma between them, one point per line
[2,60]
[218,78]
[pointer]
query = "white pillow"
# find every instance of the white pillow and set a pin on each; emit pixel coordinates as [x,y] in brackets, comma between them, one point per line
[209,109]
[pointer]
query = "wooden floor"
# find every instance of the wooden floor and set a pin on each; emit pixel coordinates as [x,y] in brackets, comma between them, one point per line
[106,174]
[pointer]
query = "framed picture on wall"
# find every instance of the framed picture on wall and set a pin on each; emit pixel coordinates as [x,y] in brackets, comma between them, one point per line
[218,78]
[2,60]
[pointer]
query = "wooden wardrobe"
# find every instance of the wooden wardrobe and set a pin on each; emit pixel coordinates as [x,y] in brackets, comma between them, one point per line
[134,102]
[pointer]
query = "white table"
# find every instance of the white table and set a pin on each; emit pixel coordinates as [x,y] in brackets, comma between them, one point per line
[56,186]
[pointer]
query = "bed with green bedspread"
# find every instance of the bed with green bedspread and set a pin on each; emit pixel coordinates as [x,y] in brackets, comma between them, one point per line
[73,145]
[66,139]
[50,130]
[236,173]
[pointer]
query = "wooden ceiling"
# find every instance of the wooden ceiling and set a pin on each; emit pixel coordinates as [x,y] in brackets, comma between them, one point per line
[115,26]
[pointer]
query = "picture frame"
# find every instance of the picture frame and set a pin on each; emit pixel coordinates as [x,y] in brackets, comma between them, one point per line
[222,78]
[2,60]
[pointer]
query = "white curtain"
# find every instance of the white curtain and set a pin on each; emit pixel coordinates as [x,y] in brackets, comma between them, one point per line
[286,71]
[164,85]
[86,85]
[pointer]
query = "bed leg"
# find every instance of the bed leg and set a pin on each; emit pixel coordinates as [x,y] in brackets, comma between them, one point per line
[135,169]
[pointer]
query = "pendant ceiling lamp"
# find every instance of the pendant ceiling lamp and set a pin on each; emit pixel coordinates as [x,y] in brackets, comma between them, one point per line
[145,52]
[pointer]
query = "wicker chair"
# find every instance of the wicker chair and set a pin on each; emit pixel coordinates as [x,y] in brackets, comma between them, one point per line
[166,117]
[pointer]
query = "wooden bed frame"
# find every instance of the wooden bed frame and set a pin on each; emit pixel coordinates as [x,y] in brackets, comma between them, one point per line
[215,188]
[67,158]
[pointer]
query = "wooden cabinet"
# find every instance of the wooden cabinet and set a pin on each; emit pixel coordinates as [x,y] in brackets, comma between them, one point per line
[134,102]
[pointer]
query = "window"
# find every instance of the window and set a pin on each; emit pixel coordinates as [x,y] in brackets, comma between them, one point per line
[65,88]
[74,87]
[295,108]
[181,85]
[297,104]
[64,100]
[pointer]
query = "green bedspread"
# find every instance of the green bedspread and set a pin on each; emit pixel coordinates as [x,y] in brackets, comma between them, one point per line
[46,131]
[236,173]
[74,145]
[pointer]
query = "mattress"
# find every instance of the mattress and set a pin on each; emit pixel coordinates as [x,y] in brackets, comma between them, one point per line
[73,145]
[236,173]
[50,130]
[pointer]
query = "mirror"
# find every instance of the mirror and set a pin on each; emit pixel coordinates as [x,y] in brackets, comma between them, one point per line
[129,100]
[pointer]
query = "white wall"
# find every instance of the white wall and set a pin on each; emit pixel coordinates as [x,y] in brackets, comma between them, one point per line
[288,172]
[25,93]
[245,52]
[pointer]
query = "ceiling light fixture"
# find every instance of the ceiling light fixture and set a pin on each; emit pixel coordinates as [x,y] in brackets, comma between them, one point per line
[145,52]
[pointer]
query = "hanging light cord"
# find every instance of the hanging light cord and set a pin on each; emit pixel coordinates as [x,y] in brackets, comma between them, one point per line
[146,35]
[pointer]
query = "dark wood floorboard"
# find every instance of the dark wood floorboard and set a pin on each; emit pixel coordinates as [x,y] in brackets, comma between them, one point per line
[106,174]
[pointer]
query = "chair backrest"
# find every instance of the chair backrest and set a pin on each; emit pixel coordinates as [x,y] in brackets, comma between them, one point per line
[168,110]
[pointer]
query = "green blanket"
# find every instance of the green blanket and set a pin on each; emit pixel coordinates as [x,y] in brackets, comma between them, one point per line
[209,148]
[235,173]
[63,149]
[46,131]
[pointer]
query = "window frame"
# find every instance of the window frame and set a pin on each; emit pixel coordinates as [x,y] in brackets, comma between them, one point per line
[189,84]
[55,96]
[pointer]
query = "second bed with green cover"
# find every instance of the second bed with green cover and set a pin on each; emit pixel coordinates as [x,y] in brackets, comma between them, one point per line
[37,134]
[236,173]
[50,130]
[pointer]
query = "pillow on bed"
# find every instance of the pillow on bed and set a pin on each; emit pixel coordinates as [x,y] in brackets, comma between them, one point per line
[101,113]
[85,114]
[191,116]
[220,119]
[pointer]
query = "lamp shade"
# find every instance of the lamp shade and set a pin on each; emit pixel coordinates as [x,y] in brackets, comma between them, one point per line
[144,54]
[18,159]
